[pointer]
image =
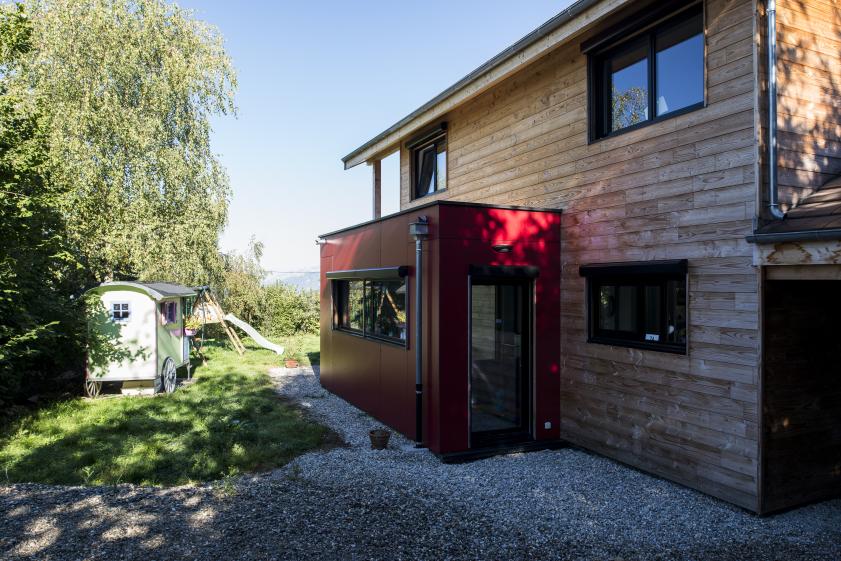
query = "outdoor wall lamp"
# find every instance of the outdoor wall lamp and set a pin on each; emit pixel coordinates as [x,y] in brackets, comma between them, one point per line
[320,241]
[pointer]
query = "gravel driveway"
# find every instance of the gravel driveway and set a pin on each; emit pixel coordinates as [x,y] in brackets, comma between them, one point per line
[355,503]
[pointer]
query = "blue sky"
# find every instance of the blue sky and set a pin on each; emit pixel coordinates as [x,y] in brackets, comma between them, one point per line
[316,80]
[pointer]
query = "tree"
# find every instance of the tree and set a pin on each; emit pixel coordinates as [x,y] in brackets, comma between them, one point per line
[242,286]
[42,323]
[126,89]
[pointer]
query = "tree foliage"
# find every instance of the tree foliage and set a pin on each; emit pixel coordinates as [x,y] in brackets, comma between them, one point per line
[278,310]
[242,288]
[126,89]
[41,327]
[106,169]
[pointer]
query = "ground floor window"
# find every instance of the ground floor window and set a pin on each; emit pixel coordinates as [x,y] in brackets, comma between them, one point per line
[638,304]
[373,308]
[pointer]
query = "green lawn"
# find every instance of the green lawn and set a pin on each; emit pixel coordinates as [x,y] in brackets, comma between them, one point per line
[307,346]
[228,421]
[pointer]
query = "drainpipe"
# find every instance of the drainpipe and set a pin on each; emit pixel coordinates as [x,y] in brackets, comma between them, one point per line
[420,230]
[773,195]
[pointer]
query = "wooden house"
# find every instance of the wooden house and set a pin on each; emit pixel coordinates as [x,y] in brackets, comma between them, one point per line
[685,322]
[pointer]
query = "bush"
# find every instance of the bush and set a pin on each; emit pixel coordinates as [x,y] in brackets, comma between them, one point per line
[288,310]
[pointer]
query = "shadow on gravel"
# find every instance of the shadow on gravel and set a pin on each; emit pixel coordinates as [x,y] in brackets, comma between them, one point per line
[292,517]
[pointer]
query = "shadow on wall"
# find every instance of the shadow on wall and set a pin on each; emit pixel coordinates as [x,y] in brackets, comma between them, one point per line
[809,97]
[104,343]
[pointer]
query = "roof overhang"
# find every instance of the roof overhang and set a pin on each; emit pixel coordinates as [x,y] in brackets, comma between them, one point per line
[146,289]
[568,24]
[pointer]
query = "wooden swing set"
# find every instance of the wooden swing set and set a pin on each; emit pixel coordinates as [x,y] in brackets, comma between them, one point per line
[207,309]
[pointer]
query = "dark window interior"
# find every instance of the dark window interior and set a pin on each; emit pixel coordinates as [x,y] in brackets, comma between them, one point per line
[373,308]
[120,311]
[429,166]
[654,74]
[638,310]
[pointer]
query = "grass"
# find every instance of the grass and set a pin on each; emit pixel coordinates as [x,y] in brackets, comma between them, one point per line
[307,346]
[228,421]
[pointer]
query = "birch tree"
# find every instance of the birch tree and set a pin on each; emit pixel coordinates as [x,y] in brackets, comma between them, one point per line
[126,90]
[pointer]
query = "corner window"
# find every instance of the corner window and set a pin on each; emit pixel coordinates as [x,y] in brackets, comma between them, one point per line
[372,308]
[654,74]
[638,305]
[429,164]
[120,311]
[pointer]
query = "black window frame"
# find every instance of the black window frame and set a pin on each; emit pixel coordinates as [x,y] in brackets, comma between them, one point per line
[599,96]
[120,311]
[639,276]
[341,321]
[434,139]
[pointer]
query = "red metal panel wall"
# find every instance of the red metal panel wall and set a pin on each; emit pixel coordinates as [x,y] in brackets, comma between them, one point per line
[379,378]
[468,236]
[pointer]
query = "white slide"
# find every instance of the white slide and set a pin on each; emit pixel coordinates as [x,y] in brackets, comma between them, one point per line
[259,339]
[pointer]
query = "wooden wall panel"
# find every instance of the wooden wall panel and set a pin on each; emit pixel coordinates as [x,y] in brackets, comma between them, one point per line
[809,87]
[684,188]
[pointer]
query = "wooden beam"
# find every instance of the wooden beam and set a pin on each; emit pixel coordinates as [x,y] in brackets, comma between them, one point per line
[376,168]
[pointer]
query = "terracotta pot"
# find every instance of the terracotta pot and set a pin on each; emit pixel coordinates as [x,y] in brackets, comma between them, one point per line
[379,439]
[290,363]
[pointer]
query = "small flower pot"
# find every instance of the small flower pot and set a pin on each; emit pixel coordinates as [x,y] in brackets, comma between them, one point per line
[379,439]
[190,332]
[290,363]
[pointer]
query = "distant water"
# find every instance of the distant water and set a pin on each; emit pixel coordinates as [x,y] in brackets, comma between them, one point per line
[307,280]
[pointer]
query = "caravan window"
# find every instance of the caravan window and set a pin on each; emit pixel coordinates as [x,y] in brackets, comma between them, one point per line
[169,312]
[120,311]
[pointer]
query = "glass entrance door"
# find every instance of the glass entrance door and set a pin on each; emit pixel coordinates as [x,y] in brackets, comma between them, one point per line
[500,343]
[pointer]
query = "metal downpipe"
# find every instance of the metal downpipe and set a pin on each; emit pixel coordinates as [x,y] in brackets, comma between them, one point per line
[773,195]
[419,230]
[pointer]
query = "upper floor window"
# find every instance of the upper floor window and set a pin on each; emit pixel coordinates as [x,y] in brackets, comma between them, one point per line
[651,75]
[429,163]
[638,304]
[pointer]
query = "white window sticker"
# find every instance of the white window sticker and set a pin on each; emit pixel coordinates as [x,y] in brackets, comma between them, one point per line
[652,337]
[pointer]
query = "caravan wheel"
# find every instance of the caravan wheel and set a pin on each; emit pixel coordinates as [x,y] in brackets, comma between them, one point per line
[92,388]
[168,375]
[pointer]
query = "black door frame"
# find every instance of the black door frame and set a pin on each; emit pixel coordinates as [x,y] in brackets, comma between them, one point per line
[494,276]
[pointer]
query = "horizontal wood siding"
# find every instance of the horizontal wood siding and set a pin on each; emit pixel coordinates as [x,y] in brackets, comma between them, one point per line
[682,188]
[809,90]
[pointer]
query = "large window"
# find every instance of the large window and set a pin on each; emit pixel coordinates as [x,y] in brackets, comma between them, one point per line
[649,75]
[373,308]
[638,304]
[429,163]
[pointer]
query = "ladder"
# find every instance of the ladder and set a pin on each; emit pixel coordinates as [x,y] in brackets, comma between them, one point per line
[232,335]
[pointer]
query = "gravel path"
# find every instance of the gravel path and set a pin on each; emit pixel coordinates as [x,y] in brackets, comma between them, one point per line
[356,503]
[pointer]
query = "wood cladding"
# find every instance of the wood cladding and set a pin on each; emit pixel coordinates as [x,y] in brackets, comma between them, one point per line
[683,188]
[809,88]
